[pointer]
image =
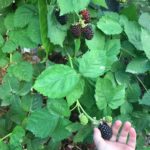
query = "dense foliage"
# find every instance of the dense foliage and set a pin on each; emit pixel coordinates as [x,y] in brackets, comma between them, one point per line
[63,68]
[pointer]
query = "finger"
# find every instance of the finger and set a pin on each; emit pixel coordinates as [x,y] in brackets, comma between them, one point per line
[124,133]
[132,138]
[115,130]
[98,140]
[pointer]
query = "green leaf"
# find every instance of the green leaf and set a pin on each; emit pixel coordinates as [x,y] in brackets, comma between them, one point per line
[92,64]
[145,99]
[126,108]
[138,65]
[33,31]
[31,103]
[60,132]
[9,47]
[107,95]
[17,136]
[54,27]
[100,2]
[58,106]
[2,26]
[5,3]
[133,92]
[23,71]
[109,25]
[133,31]
[42,123]
[145,36]
[76,93]
[24,14]
[97,42]
[82,134]
[42,6]
[144,20]
[9,21]
[1,40]
[112,48]
[20,38]
[56,81]
[3,146]
[72,5]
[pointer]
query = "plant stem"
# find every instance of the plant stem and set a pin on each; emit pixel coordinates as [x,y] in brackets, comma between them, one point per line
[142,83]
[70,60]
[79,106]
[5,137]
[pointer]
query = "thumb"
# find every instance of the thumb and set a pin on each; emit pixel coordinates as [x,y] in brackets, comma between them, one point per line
[98,140]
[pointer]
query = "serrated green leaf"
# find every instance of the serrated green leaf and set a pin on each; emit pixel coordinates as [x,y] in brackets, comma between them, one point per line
[31,103]
[56,32]
[22,71]
[107,95]
[33,31]
[24,14]
[72,5]
[9,47]
[2,26]
[60,132]
[133,31]
[144,20]
[41,123]
[5,3]
[76,93]
[97,42]
[109,25]
[82,134]
[145,99]
[57,81]
[126,108]
[58,106]
[93,63]
[112,48]
[145,36]
[20,38]
[133,92]
[17,135]
[9,21]
[138,65]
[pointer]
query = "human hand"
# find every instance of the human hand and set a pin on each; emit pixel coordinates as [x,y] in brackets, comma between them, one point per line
[117,143]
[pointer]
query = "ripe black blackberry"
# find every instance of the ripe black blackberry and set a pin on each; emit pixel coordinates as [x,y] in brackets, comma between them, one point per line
[106,130]
[61,19]
[76,30]
[85,16]
[87,32]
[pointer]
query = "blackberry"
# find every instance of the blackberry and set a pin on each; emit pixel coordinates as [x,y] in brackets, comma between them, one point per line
[76,30]
[85,16]
[61,19]
[87,32]
[106,130]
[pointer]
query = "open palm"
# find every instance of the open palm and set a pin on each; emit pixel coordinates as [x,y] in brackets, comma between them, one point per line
[117,143]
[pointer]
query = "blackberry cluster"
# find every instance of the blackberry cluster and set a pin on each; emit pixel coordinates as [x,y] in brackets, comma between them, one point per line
[85,16]
[76,30]
[106,130]
[87,32]
[62,19]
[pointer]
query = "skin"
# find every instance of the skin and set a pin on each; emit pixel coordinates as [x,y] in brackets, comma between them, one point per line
[117,143]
